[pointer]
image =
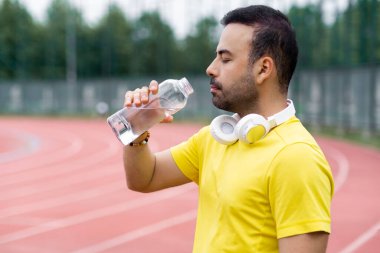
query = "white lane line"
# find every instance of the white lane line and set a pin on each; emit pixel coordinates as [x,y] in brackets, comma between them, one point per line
[24,221]
[139,233]
[343,167]
[65,164]
[80,175]
[362,239]
[19,175]
[55,184]
[75,145]
[106,149]
[61,155]
[31,144]
[94,214]
[340,179]
[60,200]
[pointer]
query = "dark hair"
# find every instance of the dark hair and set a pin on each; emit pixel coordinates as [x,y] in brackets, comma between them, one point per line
[273,36]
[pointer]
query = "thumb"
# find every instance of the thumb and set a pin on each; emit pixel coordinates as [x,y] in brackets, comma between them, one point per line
[167,119]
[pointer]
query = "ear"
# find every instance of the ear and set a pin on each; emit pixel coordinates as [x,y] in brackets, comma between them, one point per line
[264,67]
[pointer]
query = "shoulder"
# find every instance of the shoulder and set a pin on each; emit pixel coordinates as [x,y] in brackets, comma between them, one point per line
[195,143]
[298,156]
[293,131]
[201,137]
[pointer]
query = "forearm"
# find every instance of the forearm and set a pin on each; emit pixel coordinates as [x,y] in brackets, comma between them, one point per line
[147,171]
[139,165]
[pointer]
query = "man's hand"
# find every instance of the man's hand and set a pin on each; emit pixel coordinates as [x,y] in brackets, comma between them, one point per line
[140,96]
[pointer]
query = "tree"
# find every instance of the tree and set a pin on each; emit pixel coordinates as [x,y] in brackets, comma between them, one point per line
[368,38]
[154,50]
[113,44]
[200,47]
[311,35]
[17,31]
[86,50]
[353,35]
[55,40]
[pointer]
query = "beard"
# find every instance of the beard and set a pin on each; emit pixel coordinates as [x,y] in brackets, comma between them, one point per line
[238,96]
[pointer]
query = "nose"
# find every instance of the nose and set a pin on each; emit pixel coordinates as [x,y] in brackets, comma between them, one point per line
[211,69]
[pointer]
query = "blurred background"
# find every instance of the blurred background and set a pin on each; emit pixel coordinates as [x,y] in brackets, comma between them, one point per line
[78,57]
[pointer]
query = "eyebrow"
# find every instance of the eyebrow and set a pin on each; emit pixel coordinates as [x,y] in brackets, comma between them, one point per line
[223,51]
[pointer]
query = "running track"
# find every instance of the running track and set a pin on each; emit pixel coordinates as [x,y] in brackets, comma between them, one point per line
[63,190]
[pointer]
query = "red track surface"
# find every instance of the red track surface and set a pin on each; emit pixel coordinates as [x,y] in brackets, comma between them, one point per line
[63,190]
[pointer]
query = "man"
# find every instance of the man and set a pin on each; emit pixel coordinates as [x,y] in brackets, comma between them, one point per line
[272,195]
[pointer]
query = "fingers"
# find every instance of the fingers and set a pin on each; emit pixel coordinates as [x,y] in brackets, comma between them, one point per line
[140,95]
[134,97]
[128,98]
[144,95]
[153,87]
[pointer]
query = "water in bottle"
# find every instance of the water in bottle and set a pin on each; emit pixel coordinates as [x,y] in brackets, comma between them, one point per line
[130,122]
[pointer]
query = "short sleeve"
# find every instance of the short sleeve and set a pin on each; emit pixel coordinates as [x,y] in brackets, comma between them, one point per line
[186,156]
[300,188]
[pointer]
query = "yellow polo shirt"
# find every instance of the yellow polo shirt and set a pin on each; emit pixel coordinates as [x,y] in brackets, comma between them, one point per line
[250,195]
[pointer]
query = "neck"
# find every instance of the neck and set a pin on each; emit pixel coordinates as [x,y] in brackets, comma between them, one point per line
[267,106]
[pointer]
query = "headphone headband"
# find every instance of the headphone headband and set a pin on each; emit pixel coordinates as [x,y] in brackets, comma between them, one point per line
[284,115]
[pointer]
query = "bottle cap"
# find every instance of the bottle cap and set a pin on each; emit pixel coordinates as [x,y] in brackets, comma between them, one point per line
[187,89]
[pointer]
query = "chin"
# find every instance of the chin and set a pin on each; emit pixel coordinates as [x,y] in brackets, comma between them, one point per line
[220,105]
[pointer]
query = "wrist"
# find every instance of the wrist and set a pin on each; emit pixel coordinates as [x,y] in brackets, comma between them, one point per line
[141,140]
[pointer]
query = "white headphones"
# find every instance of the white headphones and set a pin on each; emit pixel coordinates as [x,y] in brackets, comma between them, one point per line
[249,129]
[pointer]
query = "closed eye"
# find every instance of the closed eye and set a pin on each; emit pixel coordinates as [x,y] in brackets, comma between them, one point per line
[225,55]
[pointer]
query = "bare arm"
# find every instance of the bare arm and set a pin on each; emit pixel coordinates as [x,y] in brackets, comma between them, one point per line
[146,171]
[306,243]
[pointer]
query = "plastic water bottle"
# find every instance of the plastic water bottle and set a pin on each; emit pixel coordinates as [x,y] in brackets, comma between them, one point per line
[130,122]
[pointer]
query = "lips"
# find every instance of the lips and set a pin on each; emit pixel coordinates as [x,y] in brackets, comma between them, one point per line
[214,86]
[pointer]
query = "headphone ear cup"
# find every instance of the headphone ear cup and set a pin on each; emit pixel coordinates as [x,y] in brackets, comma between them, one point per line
[223,129]
[252,128]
